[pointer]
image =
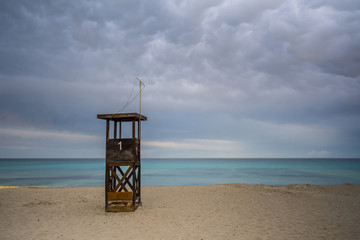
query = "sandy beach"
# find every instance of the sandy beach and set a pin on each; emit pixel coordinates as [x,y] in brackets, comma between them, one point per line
[230,211]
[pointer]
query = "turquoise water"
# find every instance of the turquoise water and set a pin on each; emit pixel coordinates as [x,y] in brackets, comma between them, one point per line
[170,172]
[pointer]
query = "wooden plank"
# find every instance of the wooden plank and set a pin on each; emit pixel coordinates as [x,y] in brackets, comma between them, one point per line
[139,185]
[112,196]
[123,177]
[115,129]
[139,130]
[113,171]
[127,152]
[119,130]
[113,181]
[122,187]
[119,164]
[124,117]
[126,181]
[134,184]
[133,129]
[107,129]
[126,173]
[106,182]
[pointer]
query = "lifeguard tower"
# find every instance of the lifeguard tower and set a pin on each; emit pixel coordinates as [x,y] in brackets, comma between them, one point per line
[123,162]
[123,165]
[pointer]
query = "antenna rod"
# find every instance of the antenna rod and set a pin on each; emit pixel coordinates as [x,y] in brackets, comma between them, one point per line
[140,84]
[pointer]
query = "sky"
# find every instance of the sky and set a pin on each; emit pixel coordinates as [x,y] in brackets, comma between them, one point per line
[223,78]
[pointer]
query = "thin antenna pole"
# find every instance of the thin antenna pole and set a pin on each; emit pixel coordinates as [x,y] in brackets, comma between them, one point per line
[139,110]
[140,84]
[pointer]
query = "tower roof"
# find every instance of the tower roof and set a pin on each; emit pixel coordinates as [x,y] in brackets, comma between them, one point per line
[123,117]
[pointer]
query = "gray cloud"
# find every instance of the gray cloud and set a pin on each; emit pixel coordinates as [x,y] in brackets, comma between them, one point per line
[228,70]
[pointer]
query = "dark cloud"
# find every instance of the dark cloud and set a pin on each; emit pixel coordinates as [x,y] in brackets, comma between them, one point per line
[213,70]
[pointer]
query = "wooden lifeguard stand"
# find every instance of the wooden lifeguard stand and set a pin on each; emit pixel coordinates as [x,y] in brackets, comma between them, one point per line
[123,165]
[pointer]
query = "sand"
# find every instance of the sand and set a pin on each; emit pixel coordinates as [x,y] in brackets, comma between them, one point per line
[230,211]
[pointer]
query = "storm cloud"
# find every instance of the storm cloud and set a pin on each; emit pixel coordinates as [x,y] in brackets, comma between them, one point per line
[267,78]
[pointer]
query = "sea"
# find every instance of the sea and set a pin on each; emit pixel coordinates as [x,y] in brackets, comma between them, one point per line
[76,172]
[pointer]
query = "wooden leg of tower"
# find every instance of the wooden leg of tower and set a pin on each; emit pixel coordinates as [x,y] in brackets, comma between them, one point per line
[106,186]
[138,202]
[139,185]
[133,185]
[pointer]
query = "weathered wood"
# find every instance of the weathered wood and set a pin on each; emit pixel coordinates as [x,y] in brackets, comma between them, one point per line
[107,129]
[115,164]
[139,183]
[122,178]
[124,117]
[126,173]
[106,185]
[126,181]
[134,184]
[127,152]
[123,184]
[133,129]
[139,130]
[119,130]
[113,173]
[111,196]
[123,167]
[115,129]
[112,183]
